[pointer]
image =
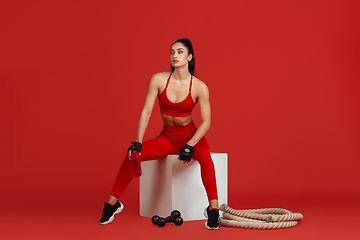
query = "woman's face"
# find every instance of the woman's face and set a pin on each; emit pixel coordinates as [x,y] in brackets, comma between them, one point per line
[179,55]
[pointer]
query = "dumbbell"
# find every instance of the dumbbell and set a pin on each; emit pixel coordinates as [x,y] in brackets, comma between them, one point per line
[175,217]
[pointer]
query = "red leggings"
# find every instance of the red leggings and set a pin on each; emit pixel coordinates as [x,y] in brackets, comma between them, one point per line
[170,141]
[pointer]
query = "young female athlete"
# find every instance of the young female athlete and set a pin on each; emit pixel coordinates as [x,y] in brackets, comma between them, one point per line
[178,91]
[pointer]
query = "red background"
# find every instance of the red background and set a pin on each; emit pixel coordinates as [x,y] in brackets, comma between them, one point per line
[284,89]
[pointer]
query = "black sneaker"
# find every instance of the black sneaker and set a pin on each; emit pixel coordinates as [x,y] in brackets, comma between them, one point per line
[110,211]
[213,221]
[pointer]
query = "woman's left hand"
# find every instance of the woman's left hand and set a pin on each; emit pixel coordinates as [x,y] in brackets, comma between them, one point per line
[185,153]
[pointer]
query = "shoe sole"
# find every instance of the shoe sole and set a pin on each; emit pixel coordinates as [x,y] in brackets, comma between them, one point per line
[113,216]
[210,228]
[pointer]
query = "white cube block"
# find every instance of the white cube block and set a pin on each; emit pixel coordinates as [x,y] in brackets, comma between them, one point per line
[167,184]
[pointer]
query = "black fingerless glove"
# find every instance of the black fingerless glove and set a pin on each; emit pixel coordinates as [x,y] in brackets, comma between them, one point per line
[184,155]
[135,146]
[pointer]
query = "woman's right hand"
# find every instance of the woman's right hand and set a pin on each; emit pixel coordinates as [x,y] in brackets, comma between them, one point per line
[135,146]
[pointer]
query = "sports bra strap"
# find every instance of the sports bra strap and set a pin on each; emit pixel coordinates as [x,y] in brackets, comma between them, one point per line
[190,84]
[167,83]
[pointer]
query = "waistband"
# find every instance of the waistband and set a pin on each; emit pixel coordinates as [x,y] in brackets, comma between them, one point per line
[190,128]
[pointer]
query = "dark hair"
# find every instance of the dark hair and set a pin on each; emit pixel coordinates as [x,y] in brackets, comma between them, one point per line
[187,43]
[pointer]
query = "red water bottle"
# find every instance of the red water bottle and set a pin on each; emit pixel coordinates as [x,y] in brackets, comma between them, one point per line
[135,163]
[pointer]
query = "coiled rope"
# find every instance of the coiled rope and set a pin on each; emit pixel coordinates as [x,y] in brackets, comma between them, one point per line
[265,218]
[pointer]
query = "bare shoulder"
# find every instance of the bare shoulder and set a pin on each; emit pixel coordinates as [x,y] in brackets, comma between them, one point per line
[199,86]
[159,78]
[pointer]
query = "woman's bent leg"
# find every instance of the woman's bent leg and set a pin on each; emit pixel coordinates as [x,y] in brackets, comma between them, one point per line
[151,149]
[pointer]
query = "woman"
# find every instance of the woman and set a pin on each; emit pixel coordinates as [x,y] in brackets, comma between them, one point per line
[178,92]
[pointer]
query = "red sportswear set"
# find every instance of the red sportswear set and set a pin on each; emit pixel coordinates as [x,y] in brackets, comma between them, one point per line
[170,141]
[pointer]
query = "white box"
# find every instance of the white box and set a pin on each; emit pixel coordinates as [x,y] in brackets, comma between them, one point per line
[167,184]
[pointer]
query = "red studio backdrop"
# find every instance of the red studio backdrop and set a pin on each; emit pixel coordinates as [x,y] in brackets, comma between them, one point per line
[283,79]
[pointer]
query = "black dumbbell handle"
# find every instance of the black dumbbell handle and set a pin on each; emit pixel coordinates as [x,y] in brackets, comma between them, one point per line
[169,219]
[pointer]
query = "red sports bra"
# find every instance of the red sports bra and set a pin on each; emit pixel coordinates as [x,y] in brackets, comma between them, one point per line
[180,109]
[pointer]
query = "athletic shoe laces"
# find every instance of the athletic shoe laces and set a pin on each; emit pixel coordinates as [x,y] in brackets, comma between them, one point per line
[213,218]
[107,211]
